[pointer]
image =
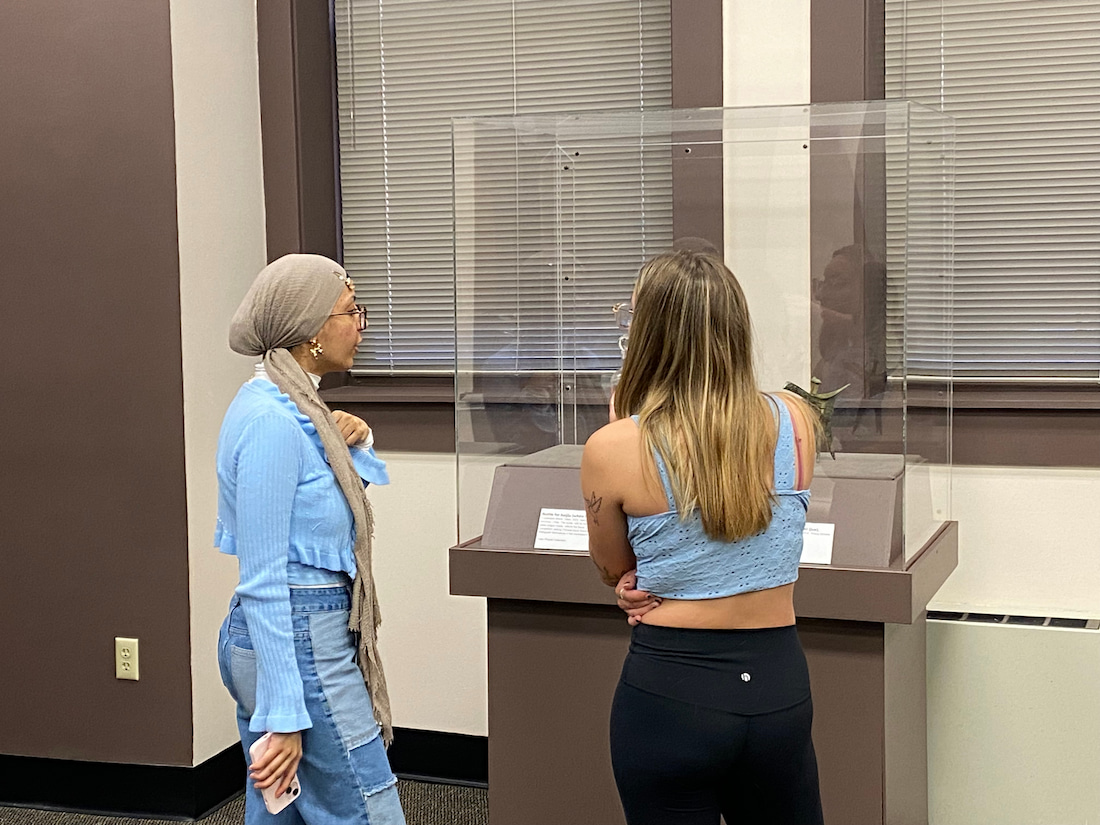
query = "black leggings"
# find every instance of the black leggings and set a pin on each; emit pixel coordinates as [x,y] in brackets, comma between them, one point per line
[709,722]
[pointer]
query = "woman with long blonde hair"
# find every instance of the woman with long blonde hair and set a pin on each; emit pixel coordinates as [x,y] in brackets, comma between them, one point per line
[701,486]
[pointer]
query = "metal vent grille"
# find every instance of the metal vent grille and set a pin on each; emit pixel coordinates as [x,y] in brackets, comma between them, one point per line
[997,618]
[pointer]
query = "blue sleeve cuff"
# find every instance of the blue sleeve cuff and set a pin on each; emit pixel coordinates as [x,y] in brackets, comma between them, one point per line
[370,467]
[279,723]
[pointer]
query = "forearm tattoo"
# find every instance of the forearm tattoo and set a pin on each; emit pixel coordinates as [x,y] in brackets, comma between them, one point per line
[609,578]
[594,504]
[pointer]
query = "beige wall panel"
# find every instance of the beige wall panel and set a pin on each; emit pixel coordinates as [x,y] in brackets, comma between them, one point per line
[766,52]
[1013,725]
[767,190]
[433,644]
[219,184]
[1029,542]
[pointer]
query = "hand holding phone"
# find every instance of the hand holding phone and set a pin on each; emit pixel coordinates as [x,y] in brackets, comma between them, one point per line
[273,803]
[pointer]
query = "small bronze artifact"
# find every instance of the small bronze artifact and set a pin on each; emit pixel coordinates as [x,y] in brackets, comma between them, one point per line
[822,404]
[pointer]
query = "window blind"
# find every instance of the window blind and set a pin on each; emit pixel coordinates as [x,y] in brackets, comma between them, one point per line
[404,69]
[1022,80]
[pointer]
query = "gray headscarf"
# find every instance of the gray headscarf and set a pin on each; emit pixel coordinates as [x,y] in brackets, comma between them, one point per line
[287,305]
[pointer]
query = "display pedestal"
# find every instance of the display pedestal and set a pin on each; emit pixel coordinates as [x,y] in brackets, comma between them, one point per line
[557,642]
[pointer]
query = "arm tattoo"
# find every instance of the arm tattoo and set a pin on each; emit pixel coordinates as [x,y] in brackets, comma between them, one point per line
[609,578]
[594,504]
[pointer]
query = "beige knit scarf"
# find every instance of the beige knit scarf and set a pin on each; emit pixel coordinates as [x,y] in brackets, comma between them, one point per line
[365,616]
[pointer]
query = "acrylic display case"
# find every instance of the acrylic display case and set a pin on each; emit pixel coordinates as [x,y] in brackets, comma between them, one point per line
[837,220]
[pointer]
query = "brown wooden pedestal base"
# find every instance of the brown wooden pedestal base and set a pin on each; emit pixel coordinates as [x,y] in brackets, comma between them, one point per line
[556,646]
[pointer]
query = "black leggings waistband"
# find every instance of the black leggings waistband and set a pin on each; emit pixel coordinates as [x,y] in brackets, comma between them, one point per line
[747,672]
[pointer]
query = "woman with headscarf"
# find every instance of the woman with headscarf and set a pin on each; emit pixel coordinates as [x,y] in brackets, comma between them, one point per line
[292,508]
[701,485]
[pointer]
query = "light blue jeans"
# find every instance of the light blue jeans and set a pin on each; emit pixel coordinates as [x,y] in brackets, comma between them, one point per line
[345,775]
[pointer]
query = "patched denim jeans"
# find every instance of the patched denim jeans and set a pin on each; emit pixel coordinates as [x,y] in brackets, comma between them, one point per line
[345,775]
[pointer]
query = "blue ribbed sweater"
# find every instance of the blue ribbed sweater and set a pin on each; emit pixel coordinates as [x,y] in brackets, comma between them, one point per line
[283,515]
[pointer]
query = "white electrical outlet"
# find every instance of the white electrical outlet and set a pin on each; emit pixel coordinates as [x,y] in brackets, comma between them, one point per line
[126,658]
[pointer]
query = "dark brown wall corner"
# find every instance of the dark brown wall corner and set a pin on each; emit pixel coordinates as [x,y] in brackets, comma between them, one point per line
[847,52]
[296,69]
[93,527]
[697,76]
[696,53]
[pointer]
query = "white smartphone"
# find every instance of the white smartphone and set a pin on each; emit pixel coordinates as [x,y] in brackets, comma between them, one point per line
[273,803]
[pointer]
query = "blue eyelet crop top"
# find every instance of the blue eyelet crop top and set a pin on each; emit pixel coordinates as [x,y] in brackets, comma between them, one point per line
[678,560]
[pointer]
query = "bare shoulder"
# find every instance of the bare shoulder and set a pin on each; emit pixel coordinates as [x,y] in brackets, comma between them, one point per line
[801,413]
[610,439]
[804,423]
[610,458]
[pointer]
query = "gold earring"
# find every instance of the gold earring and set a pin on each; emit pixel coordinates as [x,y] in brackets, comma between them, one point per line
[315,349]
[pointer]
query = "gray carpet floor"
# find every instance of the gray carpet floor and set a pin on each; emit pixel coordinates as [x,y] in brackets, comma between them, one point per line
[425,803]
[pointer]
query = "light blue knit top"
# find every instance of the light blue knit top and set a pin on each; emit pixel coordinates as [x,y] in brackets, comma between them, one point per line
[678,560]
[282,514]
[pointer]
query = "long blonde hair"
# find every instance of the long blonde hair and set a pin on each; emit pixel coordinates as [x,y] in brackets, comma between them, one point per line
[688,376]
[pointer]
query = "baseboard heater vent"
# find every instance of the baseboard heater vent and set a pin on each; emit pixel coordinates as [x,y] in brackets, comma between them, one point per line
[996,618]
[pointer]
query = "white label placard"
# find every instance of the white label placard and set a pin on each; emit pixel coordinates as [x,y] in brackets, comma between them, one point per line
[561,530]
[817,543]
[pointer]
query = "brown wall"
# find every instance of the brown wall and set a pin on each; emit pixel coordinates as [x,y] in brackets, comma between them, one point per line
[297,82]
[697,75]
[847,50]
[93,521]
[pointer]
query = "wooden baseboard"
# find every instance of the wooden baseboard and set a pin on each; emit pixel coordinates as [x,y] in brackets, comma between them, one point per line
[190,793]
[140,791]
[432,756]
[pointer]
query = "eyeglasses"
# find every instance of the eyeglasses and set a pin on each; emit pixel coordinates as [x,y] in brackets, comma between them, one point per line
[623,312]
[360,312]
